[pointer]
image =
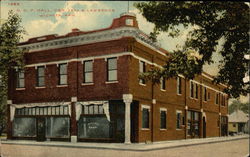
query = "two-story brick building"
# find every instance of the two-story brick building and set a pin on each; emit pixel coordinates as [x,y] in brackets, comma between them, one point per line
[84,86]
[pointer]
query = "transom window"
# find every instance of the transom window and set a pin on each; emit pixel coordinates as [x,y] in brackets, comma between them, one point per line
[40,76]
[112,69]
[92,109]
[62,74]
[20,79]
[88,72]
[51,110]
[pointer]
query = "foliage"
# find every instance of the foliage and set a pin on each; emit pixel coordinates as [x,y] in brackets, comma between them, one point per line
[237,105]
[10,56]
[211,22]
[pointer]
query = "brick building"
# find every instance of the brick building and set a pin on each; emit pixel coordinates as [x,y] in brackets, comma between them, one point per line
[84,86]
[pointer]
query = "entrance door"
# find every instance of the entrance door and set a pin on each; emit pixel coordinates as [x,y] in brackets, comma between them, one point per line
[41,129]
[204,127]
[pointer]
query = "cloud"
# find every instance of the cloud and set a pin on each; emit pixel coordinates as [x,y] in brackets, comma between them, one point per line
[63,24]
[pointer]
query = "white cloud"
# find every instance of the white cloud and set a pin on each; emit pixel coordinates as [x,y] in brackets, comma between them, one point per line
[63,24]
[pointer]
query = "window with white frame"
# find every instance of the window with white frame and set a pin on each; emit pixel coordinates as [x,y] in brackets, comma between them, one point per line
[145,116]
[163,83]
[142,69]
[40,76]
[196,91]
[178,119]
[163,118]
[20,79]
[205,93]
[112,69]
[62,74]
[88,71]
[217,98]
[179,85]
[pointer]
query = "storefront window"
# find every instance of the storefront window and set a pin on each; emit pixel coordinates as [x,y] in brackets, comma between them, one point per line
[57,127]
[24,127]
[94,127]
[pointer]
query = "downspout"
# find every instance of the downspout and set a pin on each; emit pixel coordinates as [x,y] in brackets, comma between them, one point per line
[152,111]
[186,110]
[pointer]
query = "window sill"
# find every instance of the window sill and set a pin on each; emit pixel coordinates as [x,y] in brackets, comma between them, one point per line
[145,129]
[20,88]
[142,84]
[108,82]
[164,90]
[163,129]
[62,86]
[40,87]
[178,129]
[179,94]
[87,84]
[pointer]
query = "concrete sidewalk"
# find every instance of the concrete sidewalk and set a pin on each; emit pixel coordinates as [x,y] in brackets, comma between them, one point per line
[128,147]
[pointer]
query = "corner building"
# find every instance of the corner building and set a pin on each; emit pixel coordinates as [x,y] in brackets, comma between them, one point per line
[84,86]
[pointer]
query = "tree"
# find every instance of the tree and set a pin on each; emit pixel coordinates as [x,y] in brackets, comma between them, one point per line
[237,105]
[11,56]
[211,22]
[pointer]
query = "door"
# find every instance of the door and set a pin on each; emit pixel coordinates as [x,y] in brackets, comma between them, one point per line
[41,129]
[204,127]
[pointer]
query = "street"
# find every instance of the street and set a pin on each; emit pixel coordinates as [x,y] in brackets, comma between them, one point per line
[236,148]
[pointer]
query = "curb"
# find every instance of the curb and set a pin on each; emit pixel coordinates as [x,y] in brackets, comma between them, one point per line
[135,149]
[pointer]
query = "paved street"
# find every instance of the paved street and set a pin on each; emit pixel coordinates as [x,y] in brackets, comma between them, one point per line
[237,148]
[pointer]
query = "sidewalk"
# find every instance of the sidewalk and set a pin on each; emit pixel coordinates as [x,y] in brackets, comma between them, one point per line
[128,147]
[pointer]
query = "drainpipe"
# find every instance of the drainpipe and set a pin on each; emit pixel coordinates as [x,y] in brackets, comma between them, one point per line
[152,110]
[186,108]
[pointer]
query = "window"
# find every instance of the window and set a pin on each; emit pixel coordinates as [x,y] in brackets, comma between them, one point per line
[129,22]
[178,85]
[163,114]
[217,98]
[93,122]
[205,93]
[40,76]
[191,89]
[142,69]
[62,74]
[178,119]
[223,100]
[145,117]
[193,123]
[24,127]
[234,125]
[112,69]
[57,127]
[88,72]
[196,90]
[163,83]
[20,79]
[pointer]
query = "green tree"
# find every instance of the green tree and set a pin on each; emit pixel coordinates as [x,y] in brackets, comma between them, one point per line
[11,56]
[237,105]
[211,22]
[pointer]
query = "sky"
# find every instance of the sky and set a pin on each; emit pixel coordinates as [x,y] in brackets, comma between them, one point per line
[60,17]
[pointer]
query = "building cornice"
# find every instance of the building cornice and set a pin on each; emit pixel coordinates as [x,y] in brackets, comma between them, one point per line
[102,36]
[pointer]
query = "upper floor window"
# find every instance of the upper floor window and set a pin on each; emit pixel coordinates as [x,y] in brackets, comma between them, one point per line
[88,72]
[178,85]
[20,79]
[40,76]
[191,89]
[163,83]
[163,123]
[205,93]
[112,69]
[129,22]
[223,100]
[142,69]
[62,74]
[196,90]
[217,95]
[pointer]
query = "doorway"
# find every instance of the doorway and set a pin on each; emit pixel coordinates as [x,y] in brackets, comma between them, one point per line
[204,127]
[41,129]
